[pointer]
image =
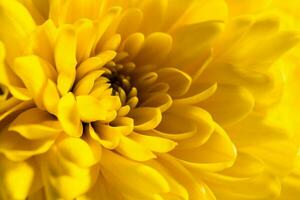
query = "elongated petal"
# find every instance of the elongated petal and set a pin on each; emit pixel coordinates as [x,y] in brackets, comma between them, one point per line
[156,144]
[66,180]
[36,124]
[65,58]
[134,150]
[238,100]
[216,154]
[130,173]
[24,171]
[192,41]
[145,118]
[155,42]
[34,72]
[68,115]
[18,24]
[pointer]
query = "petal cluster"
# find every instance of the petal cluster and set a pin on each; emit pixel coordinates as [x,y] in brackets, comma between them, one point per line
[151,99]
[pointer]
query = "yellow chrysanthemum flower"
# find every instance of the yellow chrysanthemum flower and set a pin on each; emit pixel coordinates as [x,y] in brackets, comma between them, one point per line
[141,100]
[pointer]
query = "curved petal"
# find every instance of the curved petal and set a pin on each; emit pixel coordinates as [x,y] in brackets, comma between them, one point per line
[217,154]
[145,118]
[36,124]
[262,186]
[68,115]
[10,171]
[153,143]
[195,187]
[191,41]
[145,176]
[94,63]
[78,151]
[163,101]
[34,72]
[155,42]
[17,148]
[190,125]
[178,81]
[66,180]
[134,150]
[238,100]
[18,25]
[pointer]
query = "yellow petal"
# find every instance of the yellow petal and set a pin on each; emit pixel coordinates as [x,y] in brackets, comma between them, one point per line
[85,85]
[34,72]
[246,165]
[36,124]
[112,43]
[101,190]
[161,100]
[245,132]
[17,148]
[130,22]
[154,143]
[42,41]
[109,137]
[191,125]
[65,58]
[10,172]
[195,187]
[262,186]
[193,96]
[63,12]
[94,63]
[278,156]
[191,41]
[178,81]
[145,118]
[91,109]
[78,151]
[68,115]
[238,100]
[66,180]
[133,44]
[153,9]
[134,150]
[290,184]
[13,106]
[200,11]
[51,97]
[129,174]
[155,42]
[18,25]
[216,154]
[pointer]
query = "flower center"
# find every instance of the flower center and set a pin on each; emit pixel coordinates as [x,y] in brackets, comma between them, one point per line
[119,78]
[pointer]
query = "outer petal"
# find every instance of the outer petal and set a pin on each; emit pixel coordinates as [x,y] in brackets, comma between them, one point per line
[18,24]
[129,174]
[16,178]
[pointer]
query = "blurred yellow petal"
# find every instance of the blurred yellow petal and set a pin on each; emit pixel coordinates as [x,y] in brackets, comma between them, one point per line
[216,154]
[16,178]
[238,100]
[140,174]
[17,24]
[191,41]
[68,115]
[36,124]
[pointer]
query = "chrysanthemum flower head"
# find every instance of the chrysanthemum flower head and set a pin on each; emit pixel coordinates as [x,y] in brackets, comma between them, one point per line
[151,99]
